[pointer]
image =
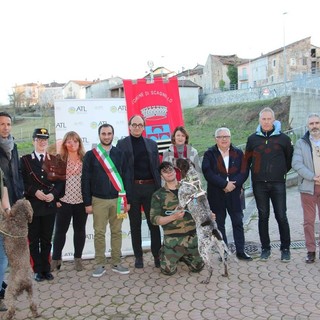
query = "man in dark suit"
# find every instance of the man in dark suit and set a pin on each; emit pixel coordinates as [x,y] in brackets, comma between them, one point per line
[143,161]
[222,168]
[42,195]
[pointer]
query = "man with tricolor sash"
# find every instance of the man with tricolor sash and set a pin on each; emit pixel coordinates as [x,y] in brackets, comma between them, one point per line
[106,194]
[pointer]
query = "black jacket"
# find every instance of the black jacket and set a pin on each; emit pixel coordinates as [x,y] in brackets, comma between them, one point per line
[12,172]
[216,174]
[95,181]
[152,148]
[34,179]
[269,157]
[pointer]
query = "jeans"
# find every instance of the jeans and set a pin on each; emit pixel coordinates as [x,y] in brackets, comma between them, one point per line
[276,192]
[3,260]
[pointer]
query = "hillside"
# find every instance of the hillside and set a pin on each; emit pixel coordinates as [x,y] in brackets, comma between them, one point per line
[241,119]
[201,122]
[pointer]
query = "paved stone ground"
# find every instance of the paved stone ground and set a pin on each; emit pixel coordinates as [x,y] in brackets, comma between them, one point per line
[254,290]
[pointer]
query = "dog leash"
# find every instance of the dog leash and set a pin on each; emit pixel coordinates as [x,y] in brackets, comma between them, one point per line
[170,212]
[13,236]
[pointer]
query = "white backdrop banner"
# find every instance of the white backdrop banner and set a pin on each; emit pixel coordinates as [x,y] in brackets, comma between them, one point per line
[85,117]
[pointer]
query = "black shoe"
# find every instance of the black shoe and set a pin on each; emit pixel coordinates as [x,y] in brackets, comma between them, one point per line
[38,277]
[48,276]
[138,263]
[243,256]
[311,256]
[157,262]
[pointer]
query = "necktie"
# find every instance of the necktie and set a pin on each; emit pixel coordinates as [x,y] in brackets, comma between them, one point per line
[41,159]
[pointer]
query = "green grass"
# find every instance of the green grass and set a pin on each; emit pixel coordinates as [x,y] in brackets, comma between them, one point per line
[241,119]
[200,122]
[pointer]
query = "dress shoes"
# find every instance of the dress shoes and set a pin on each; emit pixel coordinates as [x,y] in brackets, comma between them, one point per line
[157,262]
[48,276]
[243,256]
[38,277]
[311,256]
[138,263]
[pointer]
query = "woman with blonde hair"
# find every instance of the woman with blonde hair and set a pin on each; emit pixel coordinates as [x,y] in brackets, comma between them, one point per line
[71,204]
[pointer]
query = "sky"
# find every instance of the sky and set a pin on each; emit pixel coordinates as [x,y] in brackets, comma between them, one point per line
[61,40]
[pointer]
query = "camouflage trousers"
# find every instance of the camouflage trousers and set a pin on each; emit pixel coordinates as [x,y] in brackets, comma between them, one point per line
[181,248]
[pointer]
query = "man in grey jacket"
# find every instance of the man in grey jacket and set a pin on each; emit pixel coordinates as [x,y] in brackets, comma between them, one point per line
[306,162]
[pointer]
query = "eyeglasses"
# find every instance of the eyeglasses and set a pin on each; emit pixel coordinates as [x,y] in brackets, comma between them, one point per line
[167,170]
[135,125]
[223,137]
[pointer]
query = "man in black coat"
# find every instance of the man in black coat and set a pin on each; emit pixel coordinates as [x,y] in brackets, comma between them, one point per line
[9,163]
[143,161]
[268,156]
[222,168]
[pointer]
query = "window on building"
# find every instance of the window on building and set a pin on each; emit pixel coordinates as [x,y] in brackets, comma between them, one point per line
[304,61]
[292,62]
[313,53]
[273,62]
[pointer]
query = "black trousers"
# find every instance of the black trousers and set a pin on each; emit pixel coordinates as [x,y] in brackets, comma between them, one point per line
[40,236]
[142,194]
[79,218]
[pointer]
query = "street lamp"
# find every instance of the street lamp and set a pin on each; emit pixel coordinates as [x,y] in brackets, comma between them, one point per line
[284,55]
[150,65]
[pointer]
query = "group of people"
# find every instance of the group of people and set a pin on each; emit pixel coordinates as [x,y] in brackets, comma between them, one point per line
[110,181]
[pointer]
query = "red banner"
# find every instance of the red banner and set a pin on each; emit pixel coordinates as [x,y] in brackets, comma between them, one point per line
[158,102]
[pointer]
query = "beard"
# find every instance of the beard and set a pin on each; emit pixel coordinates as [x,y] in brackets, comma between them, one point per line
[315,132]
[106,144]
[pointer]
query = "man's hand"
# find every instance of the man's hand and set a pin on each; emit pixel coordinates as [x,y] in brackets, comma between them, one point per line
[89,209]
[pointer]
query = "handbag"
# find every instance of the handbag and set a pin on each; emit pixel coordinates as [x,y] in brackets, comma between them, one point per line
[55,168]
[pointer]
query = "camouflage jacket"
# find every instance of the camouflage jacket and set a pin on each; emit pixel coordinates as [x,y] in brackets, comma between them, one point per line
[165,200]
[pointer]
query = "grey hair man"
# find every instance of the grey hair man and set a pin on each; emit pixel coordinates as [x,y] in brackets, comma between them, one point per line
[306,162]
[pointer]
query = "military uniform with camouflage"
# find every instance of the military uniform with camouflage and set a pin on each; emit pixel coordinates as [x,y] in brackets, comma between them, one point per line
[180,241]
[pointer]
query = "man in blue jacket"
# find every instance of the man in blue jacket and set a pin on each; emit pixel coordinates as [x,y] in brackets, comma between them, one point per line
[223,170]
[268,154]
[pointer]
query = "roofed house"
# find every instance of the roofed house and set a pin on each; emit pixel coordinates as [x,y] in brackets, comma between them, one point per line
[76,89]
[215,71]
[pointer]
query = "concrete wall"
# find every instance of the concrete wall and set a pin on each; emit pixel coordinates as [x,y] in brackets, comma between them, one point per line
[303,90]
[303,102]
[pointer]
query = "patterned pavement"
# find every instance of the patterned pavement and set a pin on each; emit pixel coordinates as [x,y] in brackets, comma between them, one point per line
[254,290]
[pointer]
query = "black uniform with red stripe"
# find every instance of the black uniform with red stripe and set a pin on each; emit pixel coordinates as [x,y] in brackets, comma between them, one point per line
[41,227]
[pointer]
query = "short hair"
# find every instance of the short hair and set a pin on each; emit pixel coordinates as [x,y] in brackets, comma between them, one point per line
[266,109]
[164,165]
[183,130]
[105,125]
[311,115]
[222,129]
[137,115]
[5,114]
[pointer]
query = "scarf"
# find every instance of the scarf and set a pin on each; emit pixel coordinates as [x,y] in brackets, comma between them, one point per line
[7,145]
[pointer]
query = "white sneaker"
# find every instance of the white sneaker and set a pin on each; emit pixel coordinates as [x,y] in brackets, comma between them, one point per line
[98,272]
[120,269]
